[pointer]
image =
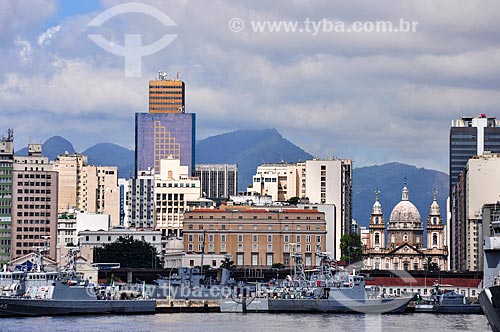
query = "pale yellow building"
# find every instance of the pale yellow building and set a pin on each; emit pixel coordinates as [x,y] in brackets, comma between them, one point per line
[69,168]
[100,192]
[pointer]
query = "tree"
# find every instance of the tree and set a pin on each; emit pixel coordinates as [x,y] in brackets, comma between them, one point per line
[227,263]
[430,265]
[350,247]
[129,253]
[293,200]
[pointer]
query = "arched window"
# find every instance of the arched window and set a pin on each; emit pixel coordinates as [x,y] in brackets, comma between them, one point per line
[377,238]
[377,220]
[434,220]
[434,239]
[405,237]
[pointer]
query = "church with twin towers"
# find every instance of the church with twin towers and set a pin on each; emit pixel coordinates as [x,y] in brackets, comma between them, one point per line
[399,244]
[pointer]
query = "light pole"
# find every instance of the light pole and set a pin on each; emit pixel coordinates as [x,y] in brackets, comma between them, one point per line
[153,260]
[170,280]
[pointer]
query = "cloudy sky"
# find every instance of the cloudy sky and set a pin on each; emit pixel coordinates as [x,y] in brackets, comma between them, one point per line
[374,97]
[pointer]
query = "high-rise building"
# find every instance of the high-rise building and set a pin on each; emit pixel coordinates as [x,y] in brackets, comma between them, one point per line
[478,184]
[217,181]
[165,95]
[6,161]
[469,136]
[34,210]
[166,131]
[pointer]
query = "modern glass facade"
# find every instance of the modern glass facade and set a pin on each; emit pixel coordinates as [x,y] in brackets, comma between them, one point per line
[162,135]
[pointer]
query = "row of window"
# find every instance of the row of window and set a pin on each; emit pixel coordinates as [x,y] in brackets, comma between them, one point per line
[34,176]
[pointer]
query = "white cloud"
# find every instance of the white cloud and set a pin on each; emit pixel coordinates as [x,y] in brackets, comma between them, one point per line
[25,51]
[44,38]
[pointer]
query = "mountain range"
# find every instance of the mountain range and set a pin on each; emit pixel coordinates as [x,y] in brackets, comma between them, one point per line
[250,148]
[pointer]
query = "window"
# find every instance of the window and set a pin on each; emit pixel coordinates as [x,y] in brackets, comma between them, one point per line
[287,239]
[255,259]
[434,239]
[269,238]
[190,247]
[190,238]
[223,238]
[222,247]
[239,259]
[298,238]
[240,237]
[269,260]
[269,248]
[210,238]
[377,239]
[200,237]
[240,247]
[255,238]
[255,247]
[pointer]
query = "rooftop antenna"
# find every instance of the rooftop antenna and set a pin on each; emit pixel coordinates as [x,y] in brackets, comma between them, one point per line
[178,75]
[162,75]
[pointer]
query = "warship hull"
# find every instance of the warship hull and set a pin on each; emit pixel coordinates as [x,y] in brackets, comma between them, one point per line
[489,299]
[375,306]
[50,307]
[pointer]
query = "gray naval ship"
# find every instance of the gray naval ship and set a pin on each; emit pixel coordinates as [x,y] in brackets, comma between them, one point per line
[489,298]
[322,292]
[40,293]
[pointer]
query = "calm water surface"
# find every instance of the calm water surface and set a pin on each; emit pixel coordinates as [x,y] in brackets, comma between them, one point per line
[250,323]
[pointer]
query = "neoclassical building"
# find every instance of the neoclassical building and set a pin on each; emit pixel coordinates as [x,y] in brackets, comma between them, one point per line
[399,244]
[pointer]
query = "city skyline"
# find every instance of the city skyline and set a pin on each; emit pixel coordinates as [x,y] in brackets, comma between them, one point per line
[397,92]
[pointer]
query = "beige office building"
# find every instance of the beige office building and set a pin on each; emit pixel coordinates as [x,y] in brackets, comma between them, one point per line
[479,184]
[256,237]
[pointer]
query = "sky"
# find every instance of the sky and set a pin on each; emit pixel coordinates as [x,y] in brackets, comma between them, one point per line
[370,96]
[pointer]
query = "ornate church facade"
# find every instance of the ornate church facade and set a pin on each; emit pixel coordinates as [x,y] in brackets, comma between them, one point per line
[399,246]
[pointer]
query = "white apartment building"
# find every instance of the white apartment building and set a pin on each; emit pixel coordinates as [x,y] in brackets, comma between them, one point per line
[70,223]
[138,200]
[174,191]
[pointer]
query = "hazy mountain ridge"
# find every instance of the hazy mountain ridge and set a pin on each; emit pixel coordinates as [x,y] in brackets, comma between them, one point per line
[248,149]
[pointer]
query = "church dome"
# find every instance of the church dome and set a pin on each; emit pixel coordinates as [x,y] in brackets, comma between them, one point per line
[405,212]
